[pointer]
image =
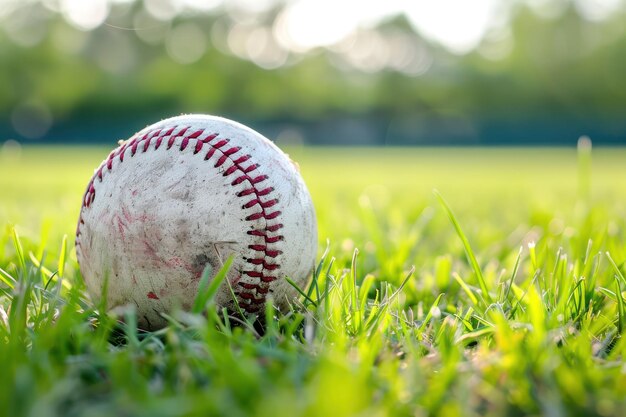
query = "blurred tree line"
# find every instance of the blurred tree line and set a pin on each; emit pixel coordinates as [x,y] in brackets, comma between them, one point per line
[537,80]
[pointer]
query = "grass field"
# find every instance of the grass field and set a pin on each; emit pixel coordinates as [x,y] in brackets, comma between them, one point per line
[515,305]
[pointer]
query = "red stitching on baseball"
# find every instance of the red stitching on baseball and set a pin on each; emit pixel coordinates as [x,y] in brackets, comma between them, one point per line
[261,193]
[122,151]
[230,170]
[259,275]
[195,134]
[268,239]
[232,150]
[255,216]
[273,215]
[251,168]
[258,248]
[249,302]
[259,179]
[241,179]
[274,239]
[242,159]
[200,143]
[246,192]
[110,160]
[272,253]
[253,181]
[259,290]
[146,139]
[160,138]
[133,148]
[255,274]
[184,143]
[261,261]
[256,232]
[250,297]
[221,160]
[274,227]
[172,139]
[251,203]
[210,153]
[220,143]
[269,203]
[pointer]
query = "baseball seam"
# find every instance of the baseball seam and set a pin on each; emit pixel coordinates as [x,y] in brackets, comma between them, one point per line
[251,296]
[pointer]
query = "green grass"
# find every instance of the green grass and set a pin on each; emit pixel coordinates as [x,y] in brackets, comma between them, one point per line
[501,294]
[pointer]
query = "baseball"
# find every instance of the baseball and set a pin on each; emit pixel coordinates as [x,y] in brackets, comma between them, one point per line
[186,192]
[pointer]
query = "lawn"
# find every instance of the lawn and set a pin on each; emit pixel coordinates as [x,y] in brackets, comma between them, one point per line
[502,294]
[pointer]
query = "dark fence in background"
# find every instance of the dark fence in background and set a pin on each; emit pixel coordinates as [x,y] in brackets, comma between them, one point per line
[371,130]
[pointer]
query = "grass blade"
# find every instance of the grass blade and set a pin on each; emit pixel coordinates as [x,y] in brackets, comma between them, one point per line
[52,276]
[317,271]
[62,255]
[7,279]
[430,313]
[513,274]
[620,306]
[18,249]
[302,293]
[206,289]
[465,288]
[237,307]
[468,249]
[354,305]
[618,272]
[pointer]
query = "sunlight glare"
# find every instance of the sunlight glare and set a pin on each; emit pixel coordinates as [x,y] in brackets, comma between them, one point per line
[85,15]
[598,10]
[458,25]
[306,24]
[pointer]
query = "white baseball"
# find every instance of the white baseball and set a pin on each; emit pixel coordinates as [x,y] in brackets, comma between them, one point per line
[190,191]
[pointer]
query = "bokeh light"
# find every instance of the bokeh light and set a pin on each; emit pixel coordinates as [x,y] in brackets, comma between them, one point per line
[306,24]
[85,15]
[598,10]
[164,10]
[31,119]
[458,25]
[186,43]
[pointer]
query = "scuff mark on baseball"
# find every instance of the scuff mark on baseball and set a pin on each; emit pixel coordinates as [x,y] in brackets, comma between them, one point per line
[190,191]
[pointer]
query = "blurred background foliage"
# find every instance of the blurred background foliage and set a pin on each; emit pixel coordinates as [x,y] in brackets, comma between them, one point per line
[397,72]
